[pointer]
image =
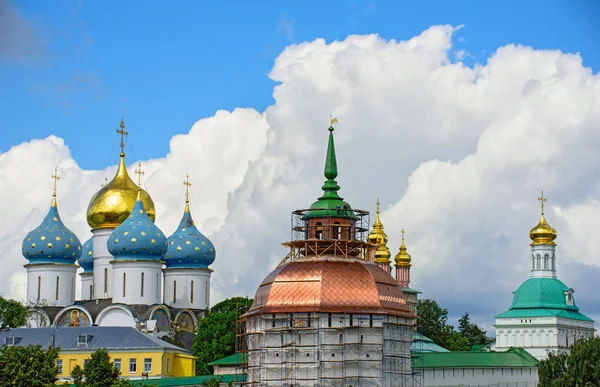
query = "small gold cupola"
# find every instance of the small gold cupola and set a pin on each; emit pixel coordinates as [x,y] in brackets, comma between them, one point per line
[542,233]
[378,237]
[111,205]
[402,258]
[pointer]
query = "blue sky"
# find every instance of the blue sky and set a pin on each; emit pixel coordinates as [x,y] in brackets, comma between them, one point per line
[164,65]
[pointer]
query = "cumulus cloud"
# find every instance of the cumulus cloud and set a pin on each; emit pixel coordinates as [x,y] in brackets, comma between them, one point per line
[457,154]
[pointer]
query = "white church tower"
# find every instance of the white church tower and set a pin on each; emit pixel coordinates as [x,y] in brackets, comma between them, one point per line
[51,250]
[109,207]
[187,275]
[543,316]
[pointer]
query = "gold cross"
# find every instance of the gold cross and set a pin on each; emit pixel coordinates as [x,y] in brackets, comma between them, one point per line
[542,199]
[187,187]
[377,206]
[139,172]
[56,178]
[123,133]
[402,235]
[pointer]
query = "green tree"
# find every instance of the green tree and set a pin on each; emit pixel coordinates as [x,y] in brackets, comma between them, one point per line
[12,313]
[434,321]
[29,366]
[579,368]
[99,371]
[472,332]
[216,333]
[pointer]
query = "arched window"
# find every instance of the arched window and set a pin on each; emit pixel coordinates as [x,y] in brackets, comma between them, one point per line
[539,261]
[546,261]
[337,231]
[319,230]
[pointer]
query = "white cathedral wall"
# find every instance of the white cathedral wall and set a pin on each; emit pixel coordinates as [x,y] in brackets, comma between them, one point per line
[51,284]
[87,286]
[102,268]
[458,376]
[187,288]
[136,282]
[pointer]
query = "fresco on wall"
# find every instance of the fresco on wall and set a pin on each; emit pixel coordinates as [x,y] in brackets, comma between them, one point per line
[185,322]
[74,318]
[162,319]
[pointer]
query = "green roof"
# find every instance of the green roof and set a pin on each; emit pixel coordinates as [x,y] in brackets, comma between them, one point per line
[189,380]
[543,312]
[409,290]
[543,297]
[423,344]
[330,204]
[236,358]
[514,357]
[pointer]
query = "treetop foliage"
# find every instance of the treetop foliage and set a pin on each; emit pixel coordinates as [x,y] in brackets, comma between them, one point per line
[579,368]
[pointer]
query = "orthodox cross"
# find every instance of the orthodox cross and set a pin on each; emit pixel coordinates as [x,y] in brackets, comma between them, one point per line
[140,173]
[402,235]
[187,188]
[542,199]
[123,133]
[56,178]
[377,206]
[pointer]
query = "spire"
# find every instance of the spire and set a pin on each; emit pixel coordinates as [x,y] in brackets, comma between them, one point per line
[542,233]
[403,258]
[123,133]
[331,187]
[56,178]
[187,184]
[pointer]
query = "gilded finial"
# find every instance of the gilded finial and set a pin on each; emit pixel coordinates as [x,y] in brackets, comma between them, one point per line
[56,178]
[542,199]
[403,235]
[140,173]
[377,206]
[187,184]
[123,133]
[402,258]
[332,121]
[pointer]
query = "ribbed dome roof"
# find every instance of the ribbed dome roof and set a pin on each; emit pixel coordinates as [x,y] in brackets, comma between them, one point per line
[188,247]
[137,237]
[86,262]
[51,241]
[542,293]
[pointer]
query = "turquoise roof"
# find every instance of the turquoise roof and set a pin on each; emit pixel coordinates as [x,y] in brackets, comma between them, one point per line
[423,344]
[188,247]
[51,241]
[87,257]
[514,357]
[137,238]
[543,297]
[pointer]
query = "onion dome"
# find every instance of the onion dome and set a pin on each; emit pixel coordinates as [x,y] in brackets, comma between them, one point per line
[112,204]
[402,258]
[330,204]
[188,247]
[542,233]
[378,237]
[137,238]
[52,241]
[86,262]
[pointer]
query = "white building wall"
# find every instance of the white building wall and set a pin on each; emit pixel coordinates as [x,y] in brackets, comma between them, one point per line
[51,284]
[102,268]
[137,282]
[87,286]
[181,284]
[524,376]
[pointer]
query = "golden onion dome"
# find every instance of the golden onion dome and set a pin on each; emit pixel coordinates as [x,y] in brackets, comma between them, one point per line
[402,258]
[112,204]
[378,237]
[542,233]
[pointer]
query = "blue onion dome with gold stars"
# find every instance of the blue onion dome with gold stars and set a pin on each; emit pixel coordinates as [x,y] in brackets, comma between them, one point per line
[86,262]
[52,241]
[188,247]
[137,238]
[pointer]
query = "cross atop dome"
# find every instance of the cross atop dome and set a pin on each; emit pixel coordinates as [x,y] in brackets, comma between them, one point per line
[140,173]
[123,133]
[542,199]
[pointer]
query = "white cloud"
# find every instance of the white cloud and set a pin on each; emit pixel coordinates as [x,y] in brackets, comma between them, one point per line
[459,155]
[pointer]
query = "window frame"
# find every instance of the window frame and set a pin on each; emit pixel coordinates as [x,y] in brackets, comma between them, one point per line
[132,364]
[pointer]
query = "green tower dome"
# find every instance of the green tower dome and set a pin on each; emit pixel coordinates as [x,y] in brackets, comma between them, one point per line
[543,293]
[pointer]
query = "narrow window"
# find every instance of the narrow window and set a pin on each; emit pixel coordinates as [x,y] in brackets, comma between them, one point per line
[142,290]
[319,230]
[124,283]
[147,365]
[273,322]
[57,286]
[351,320]
[545,261]
[174,291]
[207,293]
[39,287]
[91,292]
[59,366]
[291,322]
[117,364]
[341,339]
[329,320]
[361,338]
[337,231]
[192,293]
[132,366]
[371,320]
[539,262]
[308,319]
[168,366]
[105,280]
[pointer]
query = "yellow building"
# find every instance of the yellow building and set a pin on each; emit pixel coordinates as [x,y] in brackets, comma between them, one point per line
[137,354]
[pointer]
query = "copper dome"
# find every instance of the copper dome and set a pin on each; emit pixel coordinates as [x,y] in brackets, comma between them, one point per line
[328,285]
